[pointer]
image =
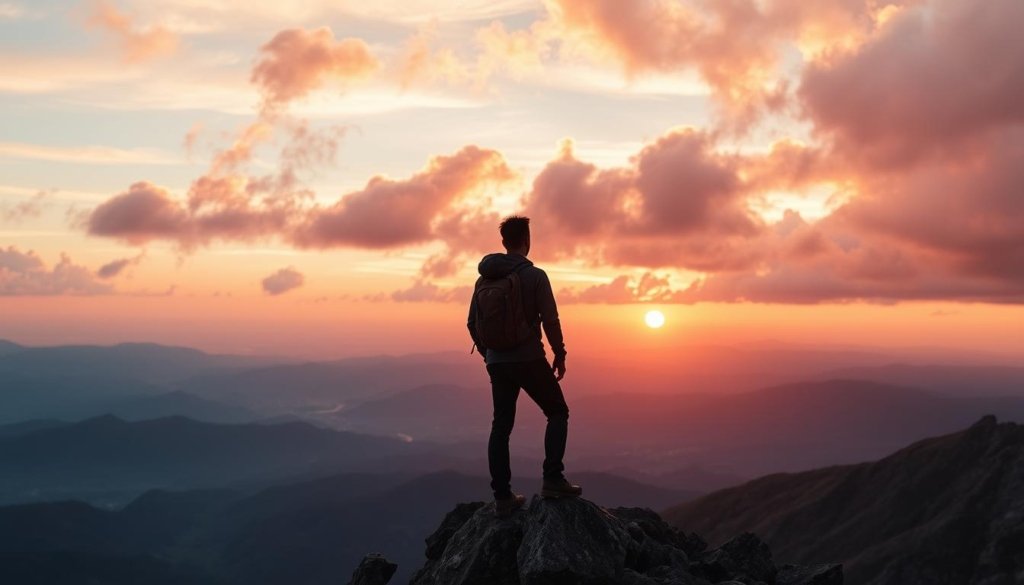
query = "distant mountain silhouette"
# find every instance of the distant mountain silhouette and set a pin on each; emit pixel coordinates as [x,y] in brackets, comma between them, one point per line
[781,428]
[147,362]
[7,347]
[299,533]
[946,510]
[955,380]
[108,459]
[73,382]
[321,389]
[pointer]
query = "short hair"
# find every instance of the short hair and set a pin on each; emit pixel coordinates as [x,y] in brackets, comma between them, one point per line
[514,231]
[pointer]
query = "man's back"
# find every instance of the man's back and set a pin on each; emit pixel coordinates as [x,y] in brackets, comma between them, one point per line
[538,305]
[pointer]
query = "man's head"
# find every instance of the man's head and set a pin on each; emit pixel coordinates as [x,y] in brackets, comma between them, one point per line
[515,234]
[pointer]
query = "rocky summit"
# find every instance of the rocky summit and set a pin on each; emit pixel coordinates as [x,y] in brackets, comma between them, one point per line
[576,542]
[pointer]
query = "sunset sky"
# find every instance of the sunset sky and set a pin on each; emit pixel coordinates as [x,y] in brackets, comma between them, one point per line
[320,179]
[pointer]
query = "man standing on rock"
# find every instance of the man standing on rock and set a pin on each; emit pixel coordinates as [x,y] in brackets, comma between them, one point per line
[512,301]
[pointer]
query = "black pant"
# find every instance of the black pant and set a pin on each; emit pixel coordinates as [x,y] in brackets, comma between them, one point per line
[537,379]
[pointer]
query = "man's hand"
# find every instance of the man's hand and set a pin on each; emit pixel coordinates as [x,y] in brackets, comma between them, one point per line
[558,368]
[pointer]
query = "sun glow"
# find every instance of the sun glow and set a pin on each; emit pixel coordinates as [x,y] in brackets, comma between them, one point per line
[654,319]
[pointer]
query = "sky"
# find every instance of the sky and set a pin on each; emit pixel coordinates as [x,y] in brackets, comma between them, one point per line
[320,179]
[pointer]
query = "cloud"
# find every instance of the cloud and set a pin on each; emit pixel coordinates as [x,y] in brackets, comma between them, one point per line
[390,213]
[11,11]
[116,267]
[297,61]
[935,79]
[679,203]
[624,289]
[282,281]
[98,155]
[137,44]
[142,213]
[24,273]
[31,208]
[428,292]
[736,47]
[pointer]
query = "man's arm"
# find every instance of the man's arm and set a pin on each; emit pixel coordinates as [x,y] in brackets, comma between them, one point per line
[548,311]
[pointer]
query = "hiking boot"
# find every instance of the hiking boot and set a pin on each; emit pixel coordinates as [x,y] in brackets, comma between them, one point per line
[560,488]
[503,507]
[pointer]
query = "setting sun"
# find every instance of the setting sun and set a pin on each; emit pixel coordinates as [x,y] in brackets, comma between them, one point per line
[654,319]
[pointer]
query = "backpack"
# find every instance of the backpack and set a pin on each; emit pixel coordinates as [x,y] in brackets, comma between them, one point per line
[500,318]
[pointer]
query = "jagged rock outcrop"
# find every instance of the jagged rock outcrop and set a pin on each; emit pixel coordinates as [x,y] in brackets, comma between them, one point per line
[373,570]
[576,542]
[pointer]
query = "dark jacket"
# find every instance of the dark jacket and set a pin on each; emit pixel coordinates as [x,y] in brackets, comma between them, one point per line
[538,304]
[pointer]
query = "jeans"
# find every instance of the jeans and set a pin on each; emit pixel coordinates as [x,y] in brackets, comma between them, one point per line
[537,379]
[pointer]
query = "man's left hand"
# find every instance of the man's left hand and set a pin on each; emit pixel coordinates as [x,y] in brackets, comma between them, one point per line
[558,368]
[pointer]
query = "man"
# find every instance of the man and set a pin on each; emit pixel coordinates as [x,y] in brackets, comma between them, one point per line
[523,365]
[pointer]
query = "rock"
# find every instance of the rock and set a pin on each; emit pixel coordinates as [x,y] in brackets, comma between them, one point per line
[576,542]
[810,575]
[373,570]
[482,550]
[745,558]
[572,541]
[452,522]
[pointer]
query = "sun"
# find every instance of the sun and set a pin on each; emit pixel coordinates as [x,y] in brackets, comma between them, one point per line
[654,319]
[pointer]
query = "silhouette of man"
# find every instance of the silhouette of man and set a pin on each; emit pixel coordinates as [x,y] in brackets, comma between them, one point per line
[524,366]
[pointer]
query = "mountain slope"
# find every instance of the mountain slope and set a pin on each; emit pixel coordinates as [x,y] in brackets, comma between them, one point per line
[947,510]
[105,456]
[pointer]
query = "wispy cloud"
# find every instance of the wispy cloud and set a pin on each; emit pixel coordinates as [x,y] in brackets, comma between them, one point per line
[92,154]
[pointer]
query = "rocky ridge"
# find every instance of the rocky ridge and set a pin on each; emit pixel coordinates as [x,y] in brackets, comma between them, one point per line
[576,542]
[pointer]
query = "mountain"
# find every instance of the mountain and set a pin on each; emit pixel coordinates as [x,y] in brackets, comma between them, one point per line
[136,408]
[947,510]
[321,389]
[306,532]
[781,428]
[955,380]
[29,426]
[73,382]
[9,347]
[107,460]
[146,362]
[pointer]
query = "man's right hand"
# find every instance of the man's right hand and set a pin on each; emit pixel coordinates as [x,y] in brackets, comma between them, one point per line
[558,368]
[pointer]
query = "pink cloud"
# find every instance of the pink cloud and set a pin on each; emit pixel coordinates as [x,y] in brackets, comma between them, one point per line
[297,61]
[143,212]
[282,281]
[678,204]
[388,213]
[116,267]
[935,79]
[24,273]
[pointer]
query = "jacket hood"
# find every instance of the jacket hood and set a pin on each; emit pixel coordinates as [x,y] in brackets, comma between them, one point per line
[499,265]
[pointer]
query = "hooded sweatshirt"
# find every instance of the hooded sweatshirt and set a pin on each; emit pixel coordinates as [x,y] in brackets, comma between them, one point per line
[538,305]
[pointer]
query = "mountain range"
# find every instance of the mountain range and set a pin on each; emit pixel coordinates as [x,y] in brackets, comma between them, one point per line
[946,510]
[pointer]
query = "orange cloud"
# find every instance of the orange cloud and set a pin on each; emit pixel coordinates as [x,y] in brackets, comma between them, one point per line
[298,61]
[137,44]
